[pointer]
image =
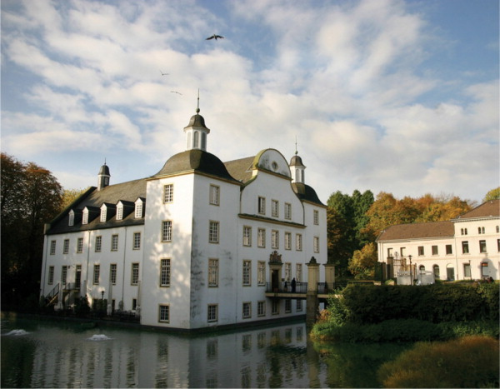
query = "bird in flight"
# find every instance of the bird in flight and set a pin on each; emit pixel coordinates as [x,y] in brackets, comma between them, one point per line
[215,36]
[174,91]
[163,74]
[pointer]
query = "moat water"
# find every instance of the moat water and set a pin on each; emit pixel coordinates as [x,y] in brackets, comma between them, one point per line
[61,354]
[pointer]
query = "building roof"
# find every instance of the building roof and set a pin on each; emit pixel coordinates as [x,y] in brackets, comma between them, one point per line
[305,192]
[195,161]
[442,229]
[488,209]
[241,169]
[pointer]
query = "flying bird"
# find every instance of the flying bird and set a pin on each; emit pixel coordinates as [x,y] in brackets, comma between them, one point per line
[163,74]
[174,91]
[215,36]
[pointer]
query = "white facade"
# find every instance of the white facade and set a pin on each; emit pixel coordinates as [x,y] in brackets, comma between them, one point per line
[464,248]
[197,253]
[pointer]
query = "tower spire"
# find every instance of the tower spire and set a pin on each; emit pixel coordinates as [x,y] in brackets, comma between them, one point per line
[198,102]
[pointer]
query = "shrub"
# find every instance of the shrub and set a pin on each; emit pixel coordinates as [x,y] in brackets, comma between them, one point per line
[469,362]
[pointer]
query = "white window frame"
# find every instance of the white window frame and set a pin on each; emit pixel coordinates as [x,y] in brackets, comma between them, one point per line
[119,211]
[51,275]
[261,238]
[136,241]
[214,196]
[114,242]
[247,236]
[261,273]
[66,246]
[212,313]
[247,272]
[64,275]
[275,208]
[213,231]
[165,272]
[261,205]
[139,209]
[261,308]
[98,244]
[316,217]
[275,239]
[247,310]
[166,231]
[79,246]
[298,242]
[163,313]
[52,247]
[316,244]
[288,211]
[97,274]
[288,240]
[213,273]
[134,273]
[112,273]
[168,193]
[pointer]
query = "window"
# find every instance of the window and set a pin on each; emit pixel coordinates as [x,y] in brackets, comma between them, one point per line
[166,231]
[134,278]
[85,216]
[247,236]
[214,195]
[66,246]
[261,238]
[138,209]
[402,251]
[449,249]
[165,272]
[435,250]
[275,308]
[298,272]
[482,246]
[299,305]
[134,304]
[213,273]
[467,273]
[262,205]
[465,247]
[247,273]
[463,231]
[275,210]
[78,276]
[288,240]
[71,218]
[389,253]
[51,275]
[64,275]
[484,269]
[261,308]
[213,234]
[288,211]
[112,273]
[498,245]
[316,244]
[119,212]
[98,244]
[114,242]
[97,270]
[435,268]
[79,245]
[275,242]
[168,193]
[480,230]
[497,229]
[298,242]
[137,241]
[164,313]
[420,251]
[104,213]
[212,312]
[261,273]
[288,272]
[247,310]
[316,217]
[288,306]
[52,247]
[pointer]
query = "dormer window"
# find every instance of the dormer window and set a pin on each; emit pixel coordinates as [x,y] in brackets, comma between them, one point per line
[119,211]
[139,209]
[104,213]
[71,221]
[85,216]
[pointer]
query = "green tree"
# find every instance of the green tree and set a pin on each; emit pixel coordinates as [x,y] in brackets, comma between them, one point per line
[493,194]
[31,196]
[70,195]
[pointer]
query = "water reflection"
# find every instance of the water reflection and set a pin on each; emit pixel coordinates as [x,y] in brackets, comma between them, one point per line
[63,355]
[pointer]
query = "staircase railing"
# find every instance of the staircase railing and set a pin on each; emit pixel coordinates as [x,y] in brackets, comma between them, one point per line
[53,294]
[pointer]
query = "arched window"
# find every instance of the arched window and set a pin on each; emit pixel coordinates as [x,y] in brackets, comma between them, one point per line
[203,141]
[196,143]
[436,271]
[421,268]
[450,272]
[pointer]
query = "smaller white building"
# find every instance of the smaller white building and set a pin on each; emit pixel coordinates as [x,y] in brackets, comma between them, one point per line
[464,248]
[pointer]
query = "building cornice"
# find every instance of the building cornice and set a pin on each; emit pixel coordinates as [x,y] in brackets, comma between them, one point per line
[269,220]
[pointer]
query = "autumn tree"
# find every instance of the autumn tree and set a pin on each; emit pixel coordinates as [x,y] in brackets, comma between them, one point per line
[362,263]
[493,194]
[70,195]
[30,197]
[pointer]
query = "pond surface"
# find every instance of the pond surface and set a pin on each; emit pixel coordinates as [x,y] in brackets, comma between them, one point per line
[57,354]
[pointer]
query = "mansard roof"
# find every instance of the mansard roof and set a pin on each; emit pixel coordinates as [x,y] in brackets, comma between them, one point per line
[444,229]
[127,191]
[306,193]
[241,169]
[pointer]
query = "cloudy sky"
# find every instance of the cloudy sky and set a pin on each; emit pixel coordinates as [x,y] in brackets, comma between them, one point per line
[386,95]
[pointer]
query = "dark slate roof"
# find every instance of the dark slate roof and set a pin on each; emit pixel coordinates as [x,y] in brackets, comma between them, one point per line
[195,161]
[296,161]
[488,209]
[104,170]
[418,230]
[305,192]
[241,169]
[126,191]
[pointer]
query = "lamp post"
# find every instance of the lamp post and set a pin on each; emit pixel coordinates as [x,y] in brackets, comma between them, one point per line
[411,271]
[102,295]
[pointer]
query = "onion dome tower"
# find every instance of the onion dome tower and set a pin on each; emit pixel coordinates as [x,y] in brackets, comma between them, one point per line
[196,131]
[297,169]
[103,177]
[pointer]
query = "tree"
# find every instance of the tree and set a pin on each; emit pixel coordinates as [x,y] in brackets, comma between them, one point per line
[70,195]
[362,263]
[31,197]
[493,194]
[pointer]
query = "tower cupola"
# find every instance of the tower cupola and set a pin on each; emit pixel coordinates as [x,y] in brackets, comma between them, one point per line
[103,177]
[196,131]
[297,169]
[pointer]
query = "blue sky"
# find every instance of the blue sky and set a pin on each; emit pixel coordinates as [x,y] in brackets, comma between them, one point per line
[386,95]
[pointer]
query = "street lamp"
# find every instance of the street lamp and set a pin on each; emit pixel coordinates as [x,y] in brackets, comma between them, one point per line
[411,271]
[102,295]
